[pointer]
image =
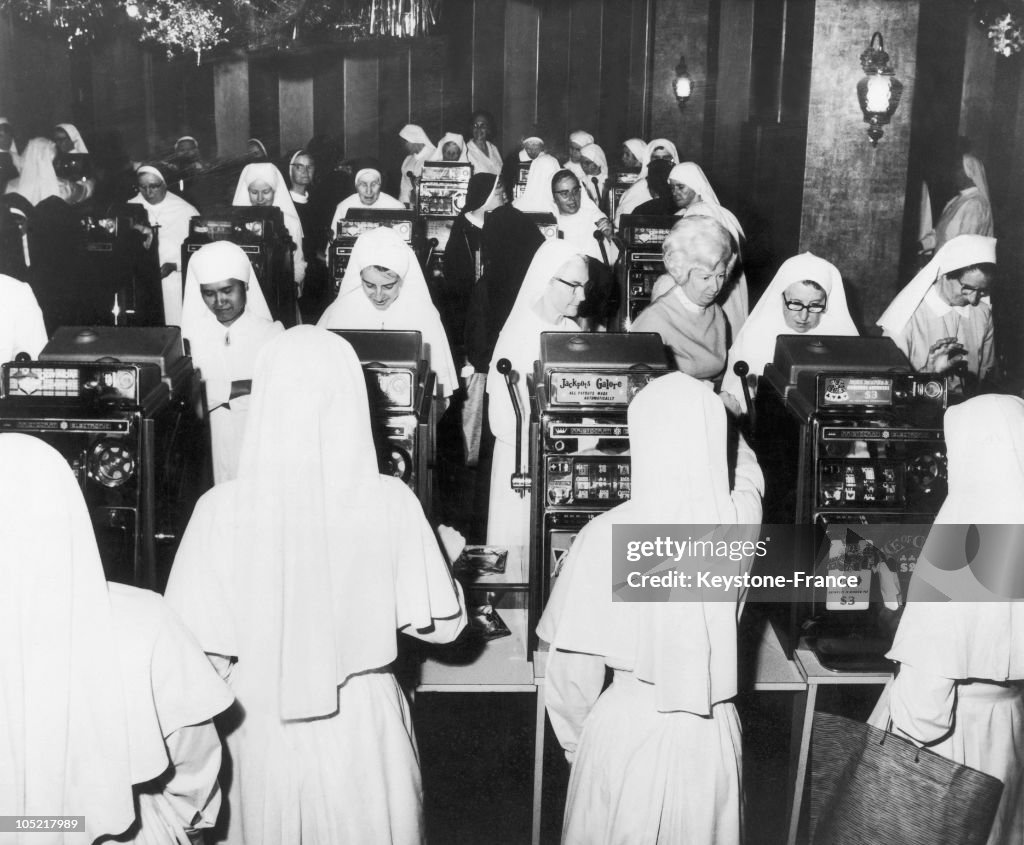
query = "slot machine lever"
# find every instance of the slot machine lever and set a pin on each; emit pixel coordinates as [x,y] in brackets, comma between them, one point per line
[741,368]
[520,479]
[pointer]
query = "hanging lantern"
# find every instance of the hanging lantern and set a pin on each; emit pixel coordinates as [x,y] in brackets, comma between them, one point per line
[682,84]
[879,91]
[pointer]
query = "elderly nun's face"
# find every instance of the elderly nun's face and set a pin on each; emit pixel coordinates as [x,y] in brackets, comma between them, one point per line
[381,286]
[533,147]
[662,152]
[566,290]
[187,150]
[302,170]
[574,152]
[261,193]
[591,168]
[63,141]
[682,195]
[628,159]
[152,188]
[368,188]
[226,299]
[798,300]
[450,152]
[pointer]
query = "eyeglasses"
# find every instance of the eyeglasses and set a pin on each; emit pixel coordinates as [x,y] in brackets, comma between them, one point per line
[970,290]
[809,307]
[575,192]
[574,285]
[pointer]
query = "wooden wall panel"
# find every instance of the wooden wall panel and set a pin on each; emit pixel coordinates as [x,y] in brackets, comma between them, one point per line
[736,36]
[612,123]
[854,193]
[488,63]
[553,61]
[426,87]
[585,58]
[638,109]
[264,105]
[393,115]
[522,23]
[296,113]
[979,81]
[231,101]
[329,98]
[363,126]
[457,27]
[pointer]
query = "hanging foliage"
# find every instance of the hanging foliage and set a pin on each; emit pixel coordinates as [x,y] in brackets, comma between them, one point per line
[197,26]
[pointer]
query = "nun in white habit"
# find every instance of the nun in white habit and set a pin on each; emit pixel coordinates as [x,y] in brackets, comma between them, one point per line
[577,141]
[299,575]
[638,193]
[254,182]
[634,748]
[106,700]
[226,321]
[173,215]
[594,165]
[455,140]
[934,316]
[704,202]
[384,288]
[69,139]
[38,179]
[548,301]
[420,151]
[367,195]
[21,322]
[770,318]
[536,196]
[960,642]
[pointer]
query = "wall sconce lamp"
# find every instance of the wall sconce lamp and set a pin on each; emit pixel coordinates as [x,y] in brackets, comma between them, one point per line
[879,91]
[682,84]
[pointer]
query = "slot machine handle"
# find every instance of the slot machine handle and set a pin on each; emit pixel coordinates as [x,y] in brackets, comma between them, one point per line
[741,368]
[520,480]
[599,237]
[960,371]
[431,246]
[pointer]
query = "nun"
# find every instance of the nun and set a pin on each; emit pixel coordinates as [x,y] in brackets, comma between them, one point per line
[420,151]
[108,700]
[805,297]
[226,321]
[296,579]
[548,301]
[262,184]
[634,746]
[960,641]
[384,288]
[172,215]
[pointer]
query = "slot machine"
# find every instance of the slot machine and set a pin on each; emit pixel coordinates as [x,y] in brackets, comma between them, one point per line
[359,220]
[440,198]
[522,174]
[621,182]
[642,261]
[579,392]
[401,389]
[261,234]
[116,403]
[117,258]
[852,447]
